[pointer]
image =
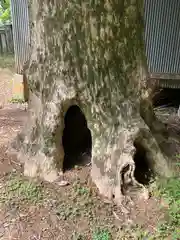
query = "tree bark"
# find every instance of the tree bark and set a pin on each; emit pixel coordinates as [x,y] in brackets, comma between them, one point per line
[90,54]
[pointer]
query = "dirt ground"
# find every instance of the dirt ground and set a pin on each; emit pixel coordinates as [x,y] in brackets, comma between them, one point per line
[6,76]
[33,210]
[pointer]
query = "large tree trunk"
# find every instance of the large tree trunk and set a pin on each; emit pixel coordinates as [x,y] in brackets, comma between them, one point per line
[90,54]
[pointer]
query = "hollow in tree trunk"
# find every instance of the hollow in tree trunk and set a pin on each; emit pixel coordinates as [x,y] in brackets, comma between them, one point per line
[90,54]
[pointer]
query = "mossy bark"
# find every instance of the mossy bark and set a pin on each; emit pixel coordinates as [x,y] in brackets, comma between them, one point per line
[89,53]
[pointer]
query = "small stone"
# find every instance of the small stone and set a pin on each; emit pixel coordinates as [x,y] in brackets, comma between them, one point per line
[63,183]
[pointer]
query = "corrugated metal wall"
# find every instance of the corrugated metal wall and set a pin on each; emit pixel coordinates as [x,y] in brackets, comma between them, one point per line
[21,32]
[162,35]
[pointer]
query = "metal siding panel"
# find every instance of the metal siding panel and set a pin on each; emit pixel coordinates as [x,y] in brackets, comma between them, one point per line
[162,35]
[21,32]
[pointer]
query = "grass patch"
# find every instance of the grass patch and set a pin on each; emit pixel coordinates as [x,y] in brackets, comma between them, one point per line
[101,234]
[66,211]
[7,61]
[17,100]
[135,233]
[169,190]
[80,204]
[83,204]
[18,190]
[81,190]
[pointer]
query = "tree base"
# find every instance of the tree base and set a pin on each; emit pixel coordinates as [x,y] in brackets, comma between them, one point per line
[114,175]
[113,165]
[45,171]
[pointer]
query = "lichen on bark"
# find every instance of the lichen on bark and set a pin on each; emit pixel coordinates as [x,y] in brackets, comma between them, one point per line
[89,53]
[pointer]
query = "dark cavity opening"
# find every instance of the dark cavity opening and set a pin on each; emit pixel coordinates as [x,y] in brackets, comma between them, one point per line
[77,140]
[143,172]
[167,97]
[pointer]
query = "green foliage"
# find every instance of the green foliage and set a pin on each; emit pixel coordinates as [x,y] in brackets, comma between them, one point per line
[5,4]
[101,235]
[18,190]
[17,100]
[5,13]
[170,191]
[80,190]
[66,211]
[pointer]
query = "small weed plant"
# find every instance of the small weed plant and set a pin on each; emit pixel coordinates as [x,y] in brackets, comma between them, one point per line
[101,234]
[169,189]
[17,190]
